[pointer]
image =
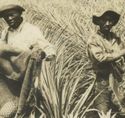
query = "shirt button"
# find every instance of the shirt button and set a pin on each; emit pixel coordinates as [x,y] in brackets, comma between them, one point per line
[103,82]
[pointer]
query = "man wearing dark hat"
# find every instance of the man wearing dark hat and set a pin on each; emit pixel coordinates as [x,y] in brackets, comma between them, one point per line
[18,40]
[106,51]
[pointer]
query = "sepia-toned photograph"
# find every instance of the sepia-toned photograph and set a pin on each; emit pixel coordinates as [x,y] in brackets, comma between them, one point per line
[62,58]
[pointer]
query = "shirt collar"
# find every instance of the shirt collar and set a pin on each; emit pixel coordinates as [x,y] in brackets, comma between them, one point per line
[100,33]
[114,40]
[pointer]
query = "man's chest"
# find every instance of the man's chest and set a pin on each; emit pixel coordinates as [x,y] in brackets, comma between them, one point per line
[20,40]
[110,46]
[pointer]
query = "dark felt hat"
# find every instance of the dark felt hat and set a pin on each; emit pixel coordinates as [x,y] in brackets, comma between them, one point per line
[108,15]
[7,8]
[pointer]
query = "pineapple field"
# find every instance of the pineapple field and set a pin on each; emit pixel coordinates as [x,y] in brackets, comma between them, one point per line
[66,84]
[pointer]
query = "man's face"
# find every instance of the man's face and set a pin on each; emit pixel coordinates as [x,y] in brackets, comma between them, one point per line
[12,18]
[106,26]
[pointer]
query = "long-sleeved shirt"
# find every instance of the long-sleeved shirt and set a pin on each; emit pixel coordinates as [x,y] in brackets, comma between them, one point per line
[102,52]
[25,36]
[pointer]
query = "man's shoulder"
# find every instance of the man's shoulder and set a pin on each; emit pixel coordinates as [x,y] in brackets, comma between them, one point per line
[30,26]
[31,30]
[94,38]
[5,29]
[4,33]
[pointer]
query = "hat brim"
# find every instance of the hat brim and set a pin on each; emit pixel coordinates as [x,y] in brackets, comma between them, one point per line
[96,20]
[102,19]
[6,9]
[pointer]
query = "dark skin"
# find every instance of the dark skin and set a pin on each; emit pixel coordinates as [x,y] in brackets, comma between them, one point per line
[13,19]
[8,53]
[105,28]
[10,56]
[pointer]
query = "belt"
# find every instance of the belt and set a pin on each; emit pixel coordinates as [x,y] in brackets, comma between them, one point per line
[102,76]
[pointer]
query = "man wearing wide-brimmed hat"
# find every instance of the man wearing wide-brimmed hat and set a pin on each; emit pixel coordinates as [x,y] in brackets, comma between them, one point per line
[106,51]
[18,42]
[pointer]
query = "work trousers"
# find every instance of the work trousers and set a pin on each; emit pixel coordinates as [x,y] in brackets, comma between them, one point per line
[104,101]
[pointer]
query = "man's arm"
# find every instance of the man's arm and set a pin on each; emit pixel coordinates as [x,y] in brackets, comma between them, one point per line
[103,56]
[44,45]
[6,49]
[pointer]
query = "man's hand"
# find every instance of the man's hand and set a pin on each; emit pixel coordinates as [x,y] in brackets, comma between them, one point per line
[38,54]
[50,57]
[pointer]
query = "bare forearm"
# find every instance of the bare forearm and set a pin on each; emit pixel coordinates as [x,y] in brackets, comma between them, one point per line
[7,49]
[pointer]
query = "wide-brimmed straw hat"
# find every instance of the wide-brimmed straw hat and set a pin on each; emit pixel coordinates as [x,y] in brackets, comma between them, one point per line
[5,9]
[106,16]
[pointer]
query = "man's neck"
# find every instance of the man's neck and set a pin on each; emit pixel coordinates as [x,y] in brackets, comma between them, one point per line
[105,34]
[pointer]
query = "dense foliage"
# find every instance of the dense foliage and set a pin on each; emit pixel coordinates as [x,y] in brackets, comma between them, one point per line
[66,83]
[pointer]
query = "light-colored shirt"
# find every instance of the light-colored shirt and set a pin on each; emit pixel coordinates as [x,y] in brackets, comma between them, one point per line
[101,51]
[26,36]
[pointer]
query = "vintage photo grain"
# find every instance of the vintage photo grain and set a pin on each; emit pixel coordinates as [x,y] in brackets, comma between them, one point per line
[62,59]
